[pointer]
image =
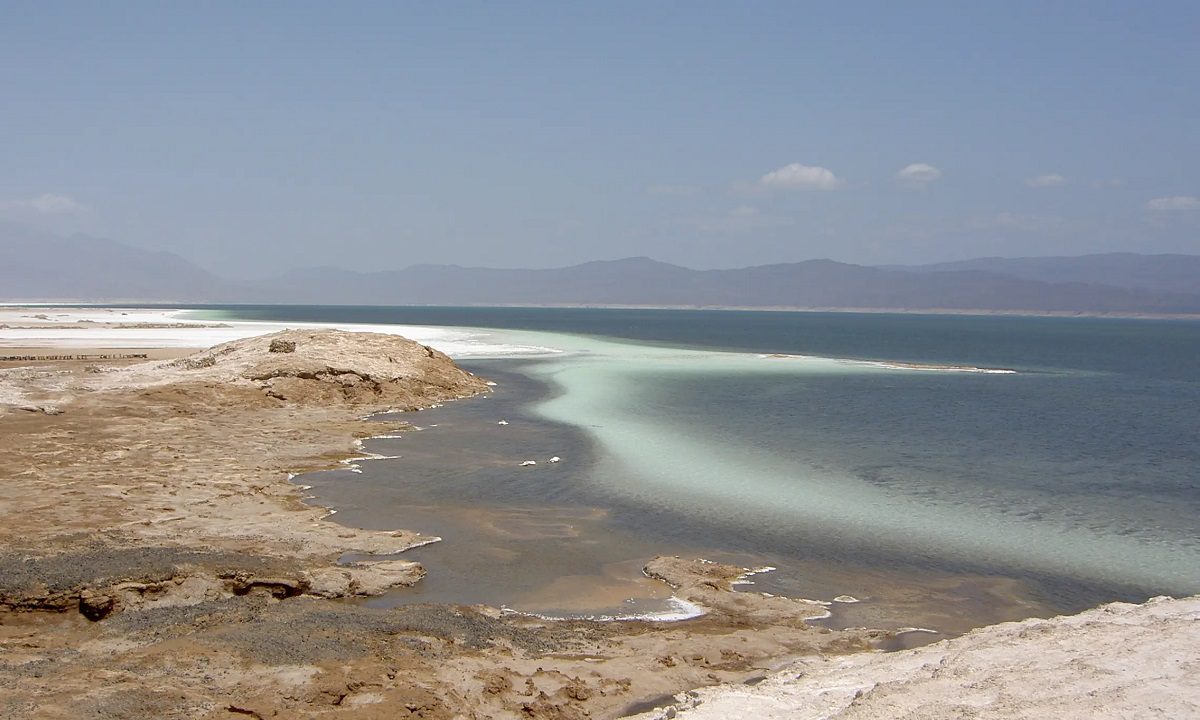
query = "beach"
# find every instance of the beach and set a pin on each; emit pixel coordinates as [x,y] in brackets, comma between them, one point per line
[160,561]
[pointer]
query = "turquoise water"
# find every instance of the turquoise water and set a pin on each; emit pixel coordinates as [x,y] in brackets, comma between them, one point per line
[1076,469]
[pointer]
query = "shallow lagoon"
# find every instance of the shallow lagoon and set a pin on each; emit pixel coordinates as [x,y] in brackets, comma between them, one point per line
[1076,480]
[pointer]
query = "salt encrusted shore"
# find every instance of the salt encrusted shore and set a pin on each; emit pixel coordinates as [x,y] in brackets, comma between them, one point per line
[1115,661]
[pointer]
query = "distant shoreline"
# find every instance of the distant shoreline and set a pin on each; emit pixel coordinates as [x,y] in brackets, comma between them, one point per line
[972,312]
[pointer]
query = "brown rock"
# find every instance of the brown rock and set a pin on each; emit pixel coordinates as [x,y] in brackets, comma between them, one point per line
[96,606]
[495,683]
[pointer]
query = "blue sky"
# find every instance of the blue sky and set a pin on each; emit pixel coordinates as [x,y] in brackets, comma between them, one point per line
[253,137]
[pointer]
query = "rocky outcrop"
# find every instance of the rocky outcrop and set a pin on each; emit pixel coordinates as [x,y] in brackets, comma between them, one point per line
[175,473]
[1116,661]
[100,583]
[329,366]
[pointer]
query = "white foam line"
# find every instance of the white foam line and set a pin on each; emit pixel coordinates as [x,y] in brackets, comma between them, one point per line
[905,630]
[743,579]
[892,364]
[684,610]
[428,541]
[940,368]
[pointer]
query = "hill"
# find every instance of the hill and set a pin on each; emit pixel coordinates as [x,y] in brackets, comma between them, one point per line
[39,267]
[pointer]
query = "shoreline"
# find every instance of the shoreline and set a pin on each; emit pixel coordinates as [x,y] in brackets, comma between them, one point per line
[972,312]
[110,564]
[589,556]
[190,620]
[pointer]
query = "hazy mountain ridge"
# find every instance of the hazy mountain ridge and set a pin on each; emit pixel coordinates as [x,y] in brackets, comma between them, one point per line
[642,281]
[1163,273]
[41,267]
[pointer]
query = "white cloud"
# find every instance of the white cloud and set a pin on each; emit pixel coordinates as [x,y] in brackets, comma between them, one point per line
[918,175]
[672,190]
[1175,202]
[45,204]
[800,177]
[1042,181]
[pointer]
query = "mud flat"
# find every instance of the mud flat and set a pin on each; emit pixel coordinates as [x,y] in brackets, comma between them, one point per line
[155,560]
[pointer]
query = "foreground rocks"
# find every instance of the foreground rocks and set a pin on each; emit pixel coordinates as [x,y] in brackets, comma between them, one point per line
[1116,661]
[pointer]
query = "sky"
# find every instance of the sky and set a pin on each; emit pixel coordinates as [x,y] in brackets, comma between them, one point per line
[255,137]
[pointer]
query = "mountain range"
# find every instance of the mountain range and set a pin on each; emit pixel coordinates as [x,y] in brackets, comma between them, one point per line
[37,267]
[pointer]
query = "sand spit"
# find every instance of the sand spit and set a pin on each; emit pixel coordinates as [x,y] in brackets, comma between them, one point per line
[156,562]
[1116,661]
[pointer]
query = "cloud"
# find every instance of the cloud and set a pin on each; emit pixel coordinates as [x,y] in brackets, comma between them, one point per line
[1042,181]
[672,190]
[800,177]
[1175,202]
[918,175]
[45,204]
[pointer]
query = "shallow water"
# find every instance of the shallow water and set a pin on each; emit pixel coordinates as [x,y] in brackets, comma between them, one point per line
[1076,476]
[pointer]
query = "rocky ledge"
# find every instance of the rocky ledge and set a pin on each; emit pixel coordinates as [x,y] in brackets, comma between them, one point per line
[331,366]
[1115,661]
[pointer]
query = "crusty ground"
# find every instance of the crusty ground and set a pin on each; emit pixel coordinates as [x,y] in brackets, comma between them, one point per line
[156,562]
[1116,661]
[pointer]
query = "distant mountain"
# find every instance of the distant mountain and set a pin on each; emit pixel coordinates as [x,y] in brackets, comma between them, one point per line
[40,267]
[1161,273]
[633,281]
[642,281]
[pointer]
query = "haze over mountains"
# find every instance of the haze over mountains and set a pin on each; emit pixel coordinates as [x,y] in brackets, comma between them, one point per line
[36,267]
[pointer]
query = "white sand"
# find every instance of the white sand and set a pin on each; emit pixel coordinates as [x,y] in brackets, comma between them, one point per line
[1116,661]
[93,327]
